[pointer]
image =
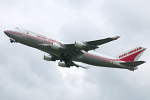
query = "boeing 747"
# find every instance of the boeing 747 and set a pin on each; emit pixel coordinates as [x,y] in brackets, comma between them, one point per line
[69,54]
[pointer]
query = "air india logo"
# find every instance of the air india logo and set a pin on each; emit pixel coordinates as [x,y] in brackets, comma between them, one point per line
[130,52]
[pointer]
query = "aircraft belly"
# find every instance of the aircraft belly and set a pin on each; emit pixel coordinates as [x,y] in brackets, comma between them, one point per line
[46,49]
[94,61]
[49,50]
[98,62]
[80,51]
[34,43]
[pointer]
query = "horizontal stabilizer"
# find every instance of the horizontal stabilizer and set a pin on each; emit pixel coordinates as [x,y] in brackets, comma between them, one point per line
[132,64]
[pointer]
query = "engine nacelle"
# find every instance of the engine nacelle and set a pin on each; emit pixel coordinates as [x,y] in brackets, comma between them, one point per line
[79,44]
[62,64]
[56,46]
[48,58]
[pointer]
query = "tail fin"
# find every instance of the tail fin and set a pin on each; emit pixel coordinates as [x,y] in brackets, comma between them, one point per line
[132,55]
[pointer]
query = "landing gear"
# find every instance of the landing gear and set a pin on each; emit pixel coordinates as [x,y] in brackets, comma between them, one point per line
[66,59]
[12,40]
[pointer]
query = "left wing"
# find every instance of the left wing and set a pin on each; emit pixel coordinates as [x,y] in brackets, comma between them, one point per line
[70,63]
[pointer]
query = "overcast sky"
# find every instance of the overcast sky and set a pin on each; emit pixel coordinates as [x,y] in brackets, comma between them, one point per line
[24,75]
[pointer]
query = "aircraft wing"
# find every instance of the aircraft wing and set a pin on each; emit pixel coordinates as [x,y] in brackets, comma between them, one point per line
[90,45]
[71,63]
[102,41]
[77,65]
[70,51]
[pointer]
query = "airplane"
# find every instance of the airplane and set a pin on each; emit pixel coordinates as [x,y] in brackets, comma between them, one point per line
[69,54]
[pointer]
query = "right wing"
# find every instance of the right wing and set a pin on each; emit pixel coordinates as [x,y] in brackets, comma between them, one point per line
[102,41]
[90,45]
[70,51]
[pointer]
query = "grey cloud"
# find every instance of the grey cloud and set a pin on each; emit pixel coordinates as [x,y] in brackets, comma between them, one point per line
[127,16]
[25,75]
[72,32]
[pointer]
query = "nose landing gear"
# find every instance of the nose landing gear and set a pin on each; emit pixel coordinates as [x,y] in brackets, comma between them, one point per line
[12,40]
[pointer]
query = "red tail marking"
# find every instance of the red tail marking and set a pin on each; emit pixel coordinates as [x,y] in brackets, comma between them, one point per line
[131,57]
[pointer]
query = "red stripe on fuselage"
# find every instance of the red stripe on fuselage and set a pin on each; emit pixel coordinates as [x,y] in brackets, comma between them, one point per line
[100,58]
[52,41]
[106,60]
[48,41]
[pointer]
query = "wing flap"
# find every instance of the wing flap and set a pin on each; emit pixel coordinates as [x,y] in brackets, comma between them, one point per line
[71,63]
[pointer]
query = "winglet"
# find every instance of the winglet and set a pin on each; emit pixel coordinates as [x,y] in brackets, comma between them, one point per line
[116,37]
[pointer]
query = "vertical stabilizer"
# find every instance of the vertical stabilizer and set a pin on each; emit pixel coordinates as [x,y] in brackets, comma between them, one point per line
[132,55]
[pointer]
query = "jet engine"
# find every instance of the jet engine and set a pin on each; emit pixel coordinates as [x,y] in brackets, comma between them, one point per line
[79,44]
[48,58]
[62,64]
[56,46]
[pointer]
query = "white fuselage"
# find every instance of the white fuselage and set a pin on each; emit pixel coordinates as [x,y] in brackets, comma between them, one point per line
[37,41]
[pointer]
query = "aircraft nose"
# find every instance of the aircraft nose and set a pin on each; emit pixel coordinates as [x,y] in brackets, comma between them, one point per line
[6,32]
